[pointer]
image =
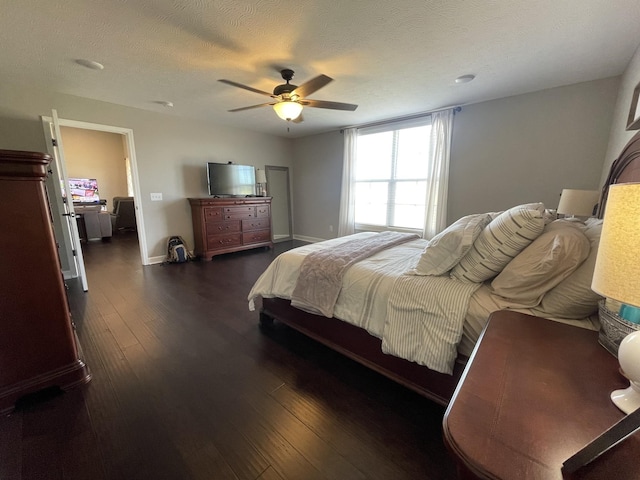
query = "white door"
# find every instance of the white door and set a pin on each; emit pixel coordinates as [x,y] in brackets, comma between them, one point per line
[59,173]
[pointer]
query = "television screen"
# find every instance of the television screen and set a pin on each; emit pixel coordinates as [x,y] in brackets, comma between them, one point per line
[229,179]
[84,190]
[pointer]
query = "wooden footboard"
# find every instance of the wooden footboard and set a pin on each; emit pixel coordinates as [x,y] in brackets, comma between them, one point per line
[364,348]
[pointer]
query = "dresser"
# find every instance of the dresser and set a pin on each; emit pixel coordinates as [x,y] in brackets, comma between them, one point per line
[223,225]
[38,345]
[532,395]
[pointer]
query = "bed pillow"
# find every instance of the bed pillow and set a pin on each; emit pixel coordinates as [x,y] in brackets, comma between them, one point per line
[573,297]
[542,265]
[444,251]
[506,236]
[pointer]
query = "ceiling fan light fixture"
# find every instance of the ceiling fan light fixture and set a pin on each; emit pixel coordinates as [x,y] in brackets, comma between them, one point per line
[288,110]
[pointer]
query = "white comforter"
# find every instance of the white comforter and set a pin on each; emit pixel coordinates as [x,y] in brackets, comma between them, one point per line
[377,295]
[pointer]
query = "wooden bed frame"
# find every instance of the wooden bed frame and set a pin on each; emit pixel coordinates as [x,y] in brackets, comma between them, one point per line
[624,169]
[359,345]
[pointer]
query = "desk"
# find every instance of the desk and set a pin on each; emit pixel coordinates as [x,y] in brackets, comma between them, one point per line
[534,393]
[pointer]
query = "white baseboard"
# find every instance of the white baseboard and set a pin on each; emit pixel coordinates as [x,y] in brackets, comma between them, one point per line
[156,260]
[304,238]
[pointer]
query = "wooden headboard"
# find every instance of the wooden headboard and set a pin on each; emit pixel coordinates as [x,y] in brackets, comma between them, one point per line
[625,169]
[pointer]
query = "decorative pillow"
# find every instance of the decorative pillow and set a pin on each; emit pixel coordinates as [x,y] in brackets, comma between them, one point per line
[506,236]
[548,260]
[445,250]
[573,297]
[549,216]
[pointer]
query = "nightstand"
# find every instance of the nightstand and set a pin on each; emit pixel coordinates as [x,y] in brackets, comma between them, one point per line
[534,393]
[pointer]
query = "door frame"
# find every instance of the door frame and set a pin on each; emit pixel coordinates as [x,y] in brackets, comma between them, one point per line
[131,153]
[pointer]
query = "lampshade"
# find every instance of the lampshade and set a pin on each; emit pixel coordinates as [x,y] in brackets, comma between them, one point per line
[617,270]
[579,203]
[617,276]
[288,110]
[260,176]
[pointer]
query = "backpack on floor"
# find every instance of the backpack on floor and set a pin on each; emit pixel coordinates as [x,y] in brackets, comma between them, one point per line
[177,251]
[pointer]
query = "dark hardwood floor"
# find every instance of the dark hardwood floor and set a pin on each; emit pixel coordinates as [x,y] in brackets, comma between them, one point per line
[186,386]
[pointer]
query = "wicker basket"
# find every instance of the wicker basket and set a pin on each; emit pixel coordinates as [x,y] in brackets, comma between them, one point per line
[613,329]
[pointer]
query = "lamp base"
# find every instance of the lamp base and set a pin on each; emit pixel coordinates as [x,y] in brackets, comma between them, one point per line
[627,400]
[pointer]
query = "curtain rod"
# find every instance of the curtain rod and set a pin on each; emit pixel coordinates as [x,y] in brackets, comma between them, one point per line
[455,108]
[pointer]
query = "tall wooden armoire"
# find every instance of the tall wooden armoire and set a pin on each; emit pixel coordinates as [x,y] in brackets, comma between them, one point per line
[38,345]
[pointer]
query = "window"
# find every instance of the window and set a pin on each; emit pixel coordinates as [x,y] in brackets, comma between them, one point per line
[391,174]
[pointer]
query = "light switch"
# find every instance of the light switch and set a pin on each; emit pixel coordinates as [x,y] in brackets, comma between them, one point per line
[156,197]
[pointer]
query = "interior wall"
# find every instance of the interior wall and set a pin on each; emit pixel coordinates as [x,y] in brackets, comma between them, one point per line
[619,136]
[99,155]
[527,148]
[171,151]
[316,182]
[504,152]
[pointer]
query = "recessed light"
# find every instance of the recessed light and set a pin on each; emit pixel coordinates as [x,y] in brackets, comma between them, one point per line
[90,64]
[165,103]
[465,78]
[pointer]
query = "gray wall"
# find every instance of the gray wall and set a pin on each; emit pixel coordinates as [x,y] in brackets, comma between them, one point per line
[619,136]
[317,177]
[504,152]
[527,148]
[171,151]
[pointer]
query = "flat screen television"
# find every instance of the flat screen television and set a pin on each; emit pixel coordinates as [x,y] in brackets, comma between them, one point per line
[84,190]
[231,180]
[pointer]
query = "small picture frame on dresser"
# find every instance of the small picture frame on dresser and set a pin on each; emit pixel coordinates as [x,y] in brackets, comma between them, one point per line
[633,121]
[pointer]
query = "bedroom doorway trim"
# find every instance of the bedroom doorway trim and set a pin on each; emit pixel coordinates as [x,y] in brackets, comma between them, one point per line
[130,151]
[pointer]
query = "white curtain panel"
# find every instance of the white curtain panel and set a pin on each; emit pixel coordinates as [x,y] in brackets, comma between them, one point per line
[346,222]
[438,181]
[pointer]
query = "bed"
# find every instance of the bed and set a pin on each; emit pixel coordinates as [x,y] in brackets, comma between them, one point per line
[559,291]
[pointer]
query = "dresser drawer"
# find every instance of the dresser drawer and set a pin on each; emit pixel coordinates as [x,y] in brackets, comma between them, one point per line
[238,213]
[218,228]
[212,214]
[256,224]
[256,237]
[224,225]
[221,241]
[262,211]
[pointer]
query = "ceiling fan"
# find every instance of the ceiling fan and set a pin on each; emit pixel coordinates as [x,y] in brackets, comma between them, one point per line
[289,99]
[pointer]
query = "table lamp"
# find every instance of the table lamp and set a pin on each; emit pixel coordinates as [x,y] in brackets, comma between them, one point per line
[617,276]
[261,181]
[578,203]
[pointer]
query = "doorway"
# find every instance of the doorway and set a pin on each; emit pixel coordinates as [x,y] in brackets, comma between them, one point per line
[126,135]
[278,190]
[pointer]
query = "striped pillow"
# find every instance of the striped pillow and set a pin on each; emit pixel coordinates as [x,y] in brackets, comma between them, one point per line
[444,251]
[505,237]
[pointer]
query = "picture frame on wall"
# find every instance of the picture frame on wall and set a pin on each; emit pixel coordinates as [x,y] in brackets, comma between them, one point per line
[633,122]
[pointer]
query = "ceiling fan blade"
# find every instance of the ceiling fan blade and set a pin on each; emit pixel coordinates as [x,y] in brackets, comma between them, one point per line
[249,108]
[312,85]
[246,87]
[331,105]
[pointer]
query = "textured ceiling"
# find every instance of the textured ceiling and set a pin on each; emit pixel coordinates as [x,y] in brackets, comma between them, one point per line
[390,58]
